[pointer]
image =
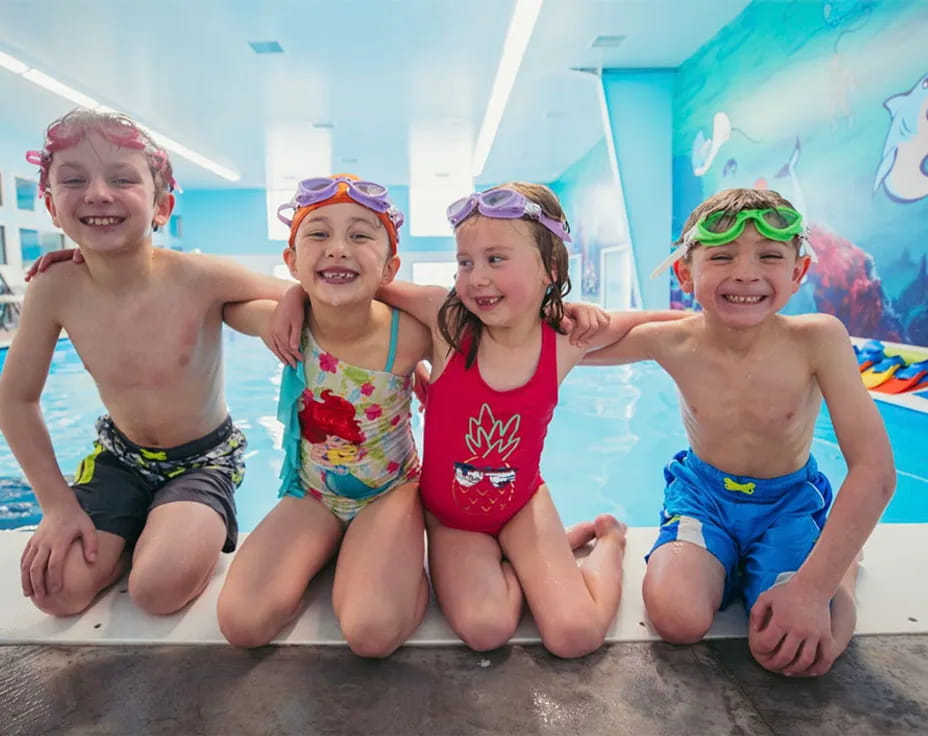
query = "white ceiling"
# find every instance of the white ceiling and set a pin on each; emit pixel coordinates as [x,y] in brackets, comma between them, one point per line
[398,80]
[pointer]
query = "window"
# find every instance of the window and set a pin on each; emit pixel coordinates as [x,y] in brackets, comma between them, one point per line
[51,241]
[34,244]
[434,273]
[3,260]
[26,193]
[176,227]
[618,278]
[29,244]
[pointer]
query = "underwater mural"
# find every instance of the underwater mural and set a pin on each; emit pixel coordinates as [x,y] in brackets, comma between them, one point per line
[827,103]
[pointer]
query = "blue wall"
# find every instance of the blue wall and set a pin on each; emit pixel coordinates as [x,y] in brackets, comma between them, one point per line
[640,105]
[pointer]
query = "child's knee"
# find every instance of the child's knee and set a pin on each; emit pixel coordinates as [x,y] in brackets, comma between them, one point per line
[71,600]
[252,623]
[483,627]
[161,592]
[573,637]
[373,635]
[675,621]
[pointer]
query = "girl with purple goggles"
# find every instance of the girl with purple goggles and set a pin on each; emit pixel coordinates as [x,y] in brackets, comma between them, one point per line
[505,204]
[321,188]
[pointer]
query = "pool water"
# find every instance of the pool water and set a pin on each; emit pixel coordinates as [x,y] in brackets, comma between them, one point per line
[612,433]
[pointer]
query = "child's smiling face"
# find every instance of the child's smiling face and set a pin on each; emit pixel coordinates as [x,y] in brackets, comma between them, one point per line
[745,281]
[341,254]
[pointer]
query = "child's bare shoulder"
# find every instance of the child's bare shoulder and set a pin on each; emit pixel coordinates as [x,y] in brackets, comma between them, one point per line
[814,330]
[58,285]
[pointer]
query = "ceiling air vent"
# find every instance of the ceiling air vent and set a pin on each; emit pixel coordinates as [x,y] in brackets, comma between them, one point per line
[607,42]
[266,47]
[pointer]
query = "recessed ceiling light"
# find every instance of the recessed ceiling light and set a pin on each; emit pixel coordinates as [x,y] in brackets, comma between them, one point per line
[607,41]
[266,47]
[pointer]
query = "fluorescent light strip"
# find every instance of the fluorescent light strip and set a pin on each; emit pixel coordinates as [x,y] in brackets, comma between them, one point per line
[517,37]
[69,93]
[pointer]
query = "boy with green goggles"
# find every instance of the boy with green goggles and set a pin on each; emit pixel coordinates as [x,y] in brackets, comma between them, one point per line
[747,514]
[723,226]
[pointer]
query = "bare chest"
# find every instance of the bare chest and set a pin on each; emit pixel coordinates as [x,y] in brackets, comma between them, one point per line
[766,397]
[147,344]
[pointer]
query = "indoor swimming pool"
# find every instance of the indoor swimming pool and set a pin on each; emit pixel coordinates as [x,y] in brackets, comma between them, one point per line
[612,433]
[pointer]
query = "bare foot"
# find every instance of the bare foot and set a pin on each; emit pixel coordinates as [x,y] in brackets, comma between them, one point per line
[580,534]
[607,526]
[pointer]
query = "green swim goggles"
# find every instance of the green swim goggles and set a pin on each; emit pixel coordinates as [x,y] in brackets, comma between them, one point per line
[720,228]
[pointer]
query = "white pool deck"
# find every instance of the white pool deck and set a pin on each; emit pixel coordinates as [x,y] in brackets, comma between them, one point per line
[892,594]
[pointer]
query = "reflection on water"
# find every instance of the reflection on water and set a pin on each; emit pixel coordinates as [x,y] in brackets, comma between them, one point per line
[613,431]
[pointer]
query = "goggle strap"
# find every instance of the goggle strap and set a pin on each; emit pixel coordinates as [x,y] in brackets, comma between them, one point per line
[286,205]
[806,246]
[675,255]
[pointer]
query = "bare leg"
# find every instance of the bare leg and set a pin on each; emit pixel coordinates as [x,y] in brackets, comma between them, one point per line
[573,607]
[683,588]
[580,534]
[477,590]
[381,591]
[269,574]
[83,581]
[175,556]
[843,622]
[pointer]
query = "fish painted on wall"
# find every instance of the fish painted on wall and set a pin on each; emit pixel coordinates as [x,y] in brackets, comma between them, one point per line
[903,171]
[705,149]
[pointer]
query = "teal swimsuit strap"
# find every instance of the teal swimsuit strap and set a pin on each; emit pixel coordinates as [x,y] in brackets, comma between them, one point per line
[394,333]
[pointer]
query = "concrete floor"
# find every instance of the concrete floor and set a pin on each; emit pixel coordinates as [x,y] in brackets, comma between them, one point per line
[880,687]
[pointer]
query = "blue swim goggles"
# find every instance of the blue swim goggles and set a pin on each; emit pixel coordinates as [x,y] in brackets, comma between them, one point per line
[505,204]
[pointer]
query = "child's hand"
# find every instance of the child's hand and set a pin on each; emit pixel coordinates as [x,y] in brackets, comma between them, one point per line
[42,564]
[790,630]
[420,384]
[583,322]
[68,254]
[287,326]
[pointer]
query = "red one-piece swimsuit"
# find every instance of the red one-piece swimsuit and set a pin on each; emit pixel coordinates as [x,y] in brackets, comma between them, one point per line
[482,454]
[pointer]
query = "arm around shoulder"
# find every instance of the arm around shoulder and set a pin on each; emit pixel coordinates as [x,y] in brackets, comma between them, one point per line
[422,302]
[641,342]
[235,283]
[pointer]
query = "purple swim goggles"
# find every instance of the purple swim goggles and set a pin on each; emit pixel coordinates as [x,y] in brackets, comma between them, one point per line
[321,188]
[505,204]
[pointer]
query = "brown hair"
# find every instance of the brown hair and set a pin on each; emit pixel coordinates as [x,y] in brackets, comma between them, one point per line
[455,322]
[733,201]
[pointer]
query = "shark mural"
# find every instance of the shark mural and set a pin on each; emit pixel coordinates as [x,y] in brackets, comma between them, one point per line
[903,170]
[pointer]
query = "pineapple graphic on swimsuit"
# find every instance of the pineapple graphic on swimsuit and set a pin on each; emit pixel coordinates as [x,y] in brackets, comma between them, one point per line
[484,482]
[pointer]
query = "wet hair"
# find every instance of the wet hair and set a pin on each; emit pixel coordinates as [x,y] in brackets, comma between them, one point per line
[456,323]
[733,201]
[120,130]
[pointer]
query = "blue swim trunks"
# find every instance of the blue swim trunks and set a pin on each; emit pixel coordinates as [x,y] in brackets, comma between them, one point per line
[759,529]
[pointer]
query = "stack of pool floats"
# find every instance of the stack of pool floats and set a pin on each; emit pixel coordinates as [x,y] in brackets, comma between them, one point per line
[890,372]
